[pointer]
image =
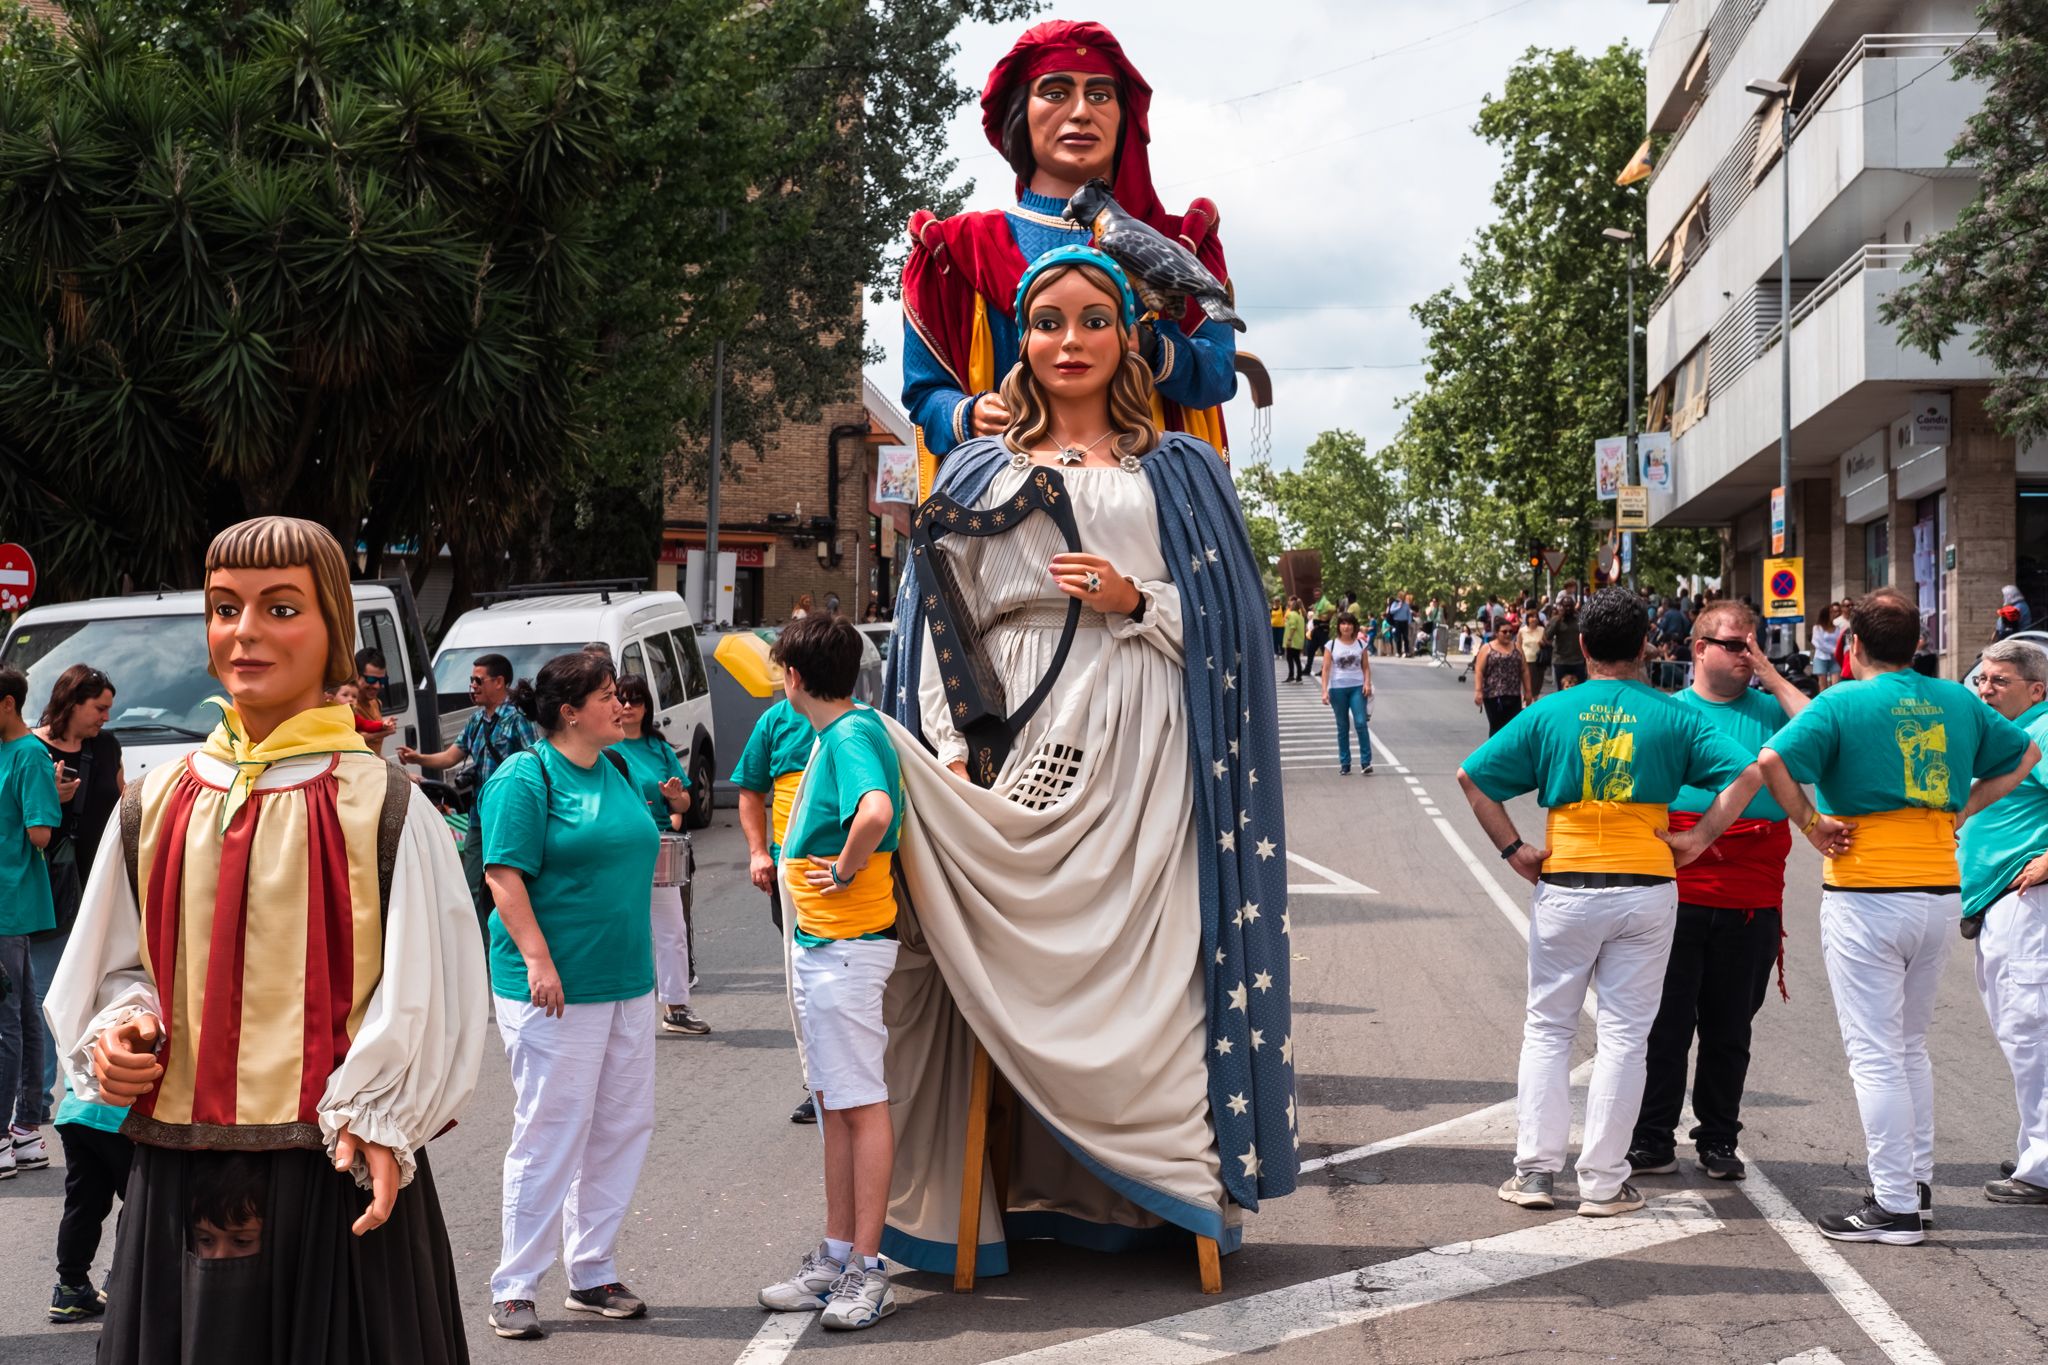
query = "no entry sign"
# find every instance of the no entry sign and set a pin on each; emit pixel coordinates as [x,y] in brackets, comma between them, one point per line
[17,577]
[1784,599]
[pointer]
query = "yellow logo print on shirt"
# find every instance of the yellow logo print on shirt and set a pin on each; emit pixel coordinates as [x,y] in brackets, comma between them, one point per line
[1606,758]
[1924,751]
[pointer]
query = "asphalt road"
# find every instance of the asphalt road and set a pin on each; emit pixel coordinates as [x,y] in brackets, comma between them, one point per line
[1408,998]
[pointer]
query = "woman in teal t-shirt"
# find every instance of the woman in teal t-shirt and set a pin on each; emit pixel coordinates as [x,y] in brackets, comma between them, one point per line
[665,788]
[569,854]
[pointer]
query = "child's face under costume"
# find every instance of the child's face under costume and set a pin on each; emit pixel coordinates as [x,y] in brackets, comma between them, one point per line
[265,635]
[211,1242]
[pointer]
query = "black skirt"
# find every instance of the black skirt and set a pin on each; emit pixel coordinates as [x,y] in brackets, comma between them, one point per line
[315,1294]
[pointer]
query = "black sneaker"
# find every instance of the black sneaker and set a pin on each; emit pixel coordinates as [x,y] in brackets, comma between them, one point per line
[1719,1161]
[1643,1161]
[807,1112]
[1926,1201]
[678,1019]
[76,1302]
[1872,1223]
[1366,771]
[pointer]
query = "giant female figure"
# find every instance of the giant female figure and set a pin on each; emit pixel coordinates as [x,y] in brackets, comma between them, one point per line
[1108,918]
[275,965]
[1064,106]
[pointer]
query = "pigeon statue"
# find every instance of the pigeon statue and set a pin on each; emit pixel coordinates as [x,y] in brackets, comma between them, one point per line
[1161,269]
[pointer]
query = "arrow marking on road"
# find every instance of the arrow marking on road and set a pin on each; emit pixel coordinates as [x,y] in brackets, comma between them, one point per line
[1262,1321]
[1334,884]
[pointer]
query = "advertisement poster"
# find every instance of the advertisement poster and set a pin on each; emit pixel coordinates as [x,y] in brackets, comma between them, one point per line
[1610,458]
[1653,449]
[896,474]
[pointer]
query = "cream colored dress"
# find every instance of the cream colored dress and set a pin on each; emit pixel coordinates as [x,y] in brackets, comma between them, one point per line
[1056,915]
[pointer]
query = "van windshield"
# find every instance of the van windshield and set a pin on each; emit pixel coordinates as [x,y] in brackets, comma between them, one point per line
[451,670]
[157,665]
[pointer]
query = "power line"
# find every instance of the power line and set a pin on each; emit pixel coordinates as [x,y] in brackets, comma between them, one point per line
[1321,369]
[1372,57]
[1319,307]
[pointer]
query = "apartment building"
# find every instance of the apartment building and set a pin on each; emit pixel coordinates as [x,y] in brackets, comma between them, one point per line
[1897,478]
[803,518]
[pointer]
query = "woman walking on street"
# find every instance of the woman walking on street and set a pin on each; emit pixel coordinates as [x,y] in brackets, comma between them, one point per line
[1500,684]
[665,788]
[1568,658]
[1293,635]
[1535,651]
[1347,683]
[1279,626]
[569,854]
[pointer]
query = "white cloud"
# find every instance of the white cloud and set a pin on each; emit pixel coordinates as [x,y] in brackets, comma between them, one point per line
[1317,208]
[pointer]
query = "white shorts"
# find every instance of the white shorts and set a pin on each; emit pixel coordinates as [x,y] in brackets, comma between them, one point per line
[838,994]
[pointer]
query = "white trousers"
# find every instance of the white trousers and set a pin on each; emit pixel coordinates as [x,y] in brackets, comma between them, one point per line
[2012,976]
[671,946]
[582,1117]
[1884,951]
[1616,940]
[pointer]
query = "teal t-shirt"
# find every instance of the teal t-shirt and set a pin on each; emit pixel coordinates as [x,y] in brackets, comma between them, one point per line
[2011,832]
[588,873]
[1606,740]
[854,757]
[1750,720]
[1895,741]
[86,1114]
[28,798]
[650,762]
[779,746]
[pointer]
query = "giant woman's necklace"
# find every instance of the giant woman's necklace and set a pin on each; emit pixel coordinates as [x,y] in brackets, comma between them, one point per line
[1071,454]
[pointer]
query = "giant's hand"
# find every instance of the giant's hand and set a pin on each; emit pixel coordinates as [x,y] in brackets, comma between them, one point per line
[1096,582]
[124,1059]
[991,416]
[383,1177]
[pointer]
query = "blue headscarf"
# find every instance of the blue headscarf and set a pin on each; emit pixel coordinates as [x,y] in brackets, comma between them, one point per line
[1234,754]
[1077,255]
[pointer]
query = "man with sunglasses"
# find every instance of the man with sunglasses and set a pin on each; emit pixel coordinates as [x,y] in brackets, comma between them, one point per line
[496,731]
[2004,857]
[1730,912]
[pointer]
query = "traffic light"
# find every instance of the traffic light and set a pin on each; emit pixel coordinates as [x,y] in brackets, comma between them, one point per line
[1535,554]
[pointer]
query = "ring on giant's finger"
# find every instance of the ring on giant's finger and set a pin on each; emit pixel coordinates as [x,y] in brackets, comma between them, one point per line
[1093,582]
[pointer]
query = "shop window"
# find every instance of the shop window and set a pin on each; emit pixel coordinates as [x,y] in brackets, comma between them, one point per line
[2030,549]
[1877,554]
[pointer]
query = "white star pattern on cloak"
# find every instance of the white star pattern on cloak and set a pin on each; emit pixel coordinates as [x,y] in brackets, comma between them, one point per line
[1222,1047]
[1266,848]
[1244,817]
[1287,922]
[1263,982]
[1221,767]
[1286,1047]
[1219,957]
[1290,1111]
[1238,1104]
[1228,841]
[1259,1039]
[1238,997]
[1251,911]
[1233,748]
[1229,681]
[1251,1161]
[1210,551]
[1252,777]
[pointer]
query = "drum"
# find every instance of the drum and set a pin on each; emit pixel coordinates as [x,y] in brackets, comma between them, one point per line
[672,863]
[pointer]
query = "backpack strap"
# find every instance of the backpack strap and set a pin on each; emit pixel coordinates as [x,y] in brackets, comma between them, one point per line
[390,825]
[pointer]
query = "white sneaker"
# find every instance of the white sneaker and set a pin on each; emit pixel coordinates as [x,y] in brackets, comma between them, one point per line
[808,1289]
[30,1150]
[6,1161]
[860,1298]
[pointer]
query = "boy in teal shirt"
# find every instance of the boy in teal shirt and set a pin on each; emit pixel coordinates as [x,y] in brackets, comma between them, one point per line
[837,874]
[96,1159]
[29,815]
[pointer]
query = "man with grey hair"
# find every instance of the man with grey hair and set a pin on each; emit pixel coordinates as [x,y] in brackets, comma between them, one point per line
[2003,851]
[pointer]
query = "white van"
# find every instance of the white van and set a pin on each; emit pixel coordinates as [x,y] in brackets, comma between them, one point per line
[152,647]
[649,633]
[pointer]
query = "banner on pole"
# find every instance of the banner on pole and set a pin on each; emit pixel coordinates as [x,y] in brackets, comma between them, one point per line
[1632,507]
[1653,452]
[1777,521]
[1610,462]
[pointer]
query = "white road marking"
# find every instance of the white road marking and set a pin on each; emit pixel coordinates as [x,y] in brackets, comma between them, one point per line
[776,1339]
[1819,1355]
[1335,883]
[1261,1321]
[1865,1307]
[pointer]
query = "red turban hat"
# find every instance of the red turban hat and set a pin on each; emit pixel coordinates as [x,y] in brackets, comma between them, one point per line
[1068,45]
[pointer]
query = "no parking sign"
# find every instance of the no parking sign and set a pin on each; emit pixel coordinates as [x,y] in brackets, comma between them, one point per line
[1784,589]
[17,577]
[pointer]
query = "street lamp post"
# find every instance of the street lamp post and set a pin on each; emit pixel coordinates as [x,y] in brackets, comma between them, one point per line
[1782,92]
[715,473]
[1630,477]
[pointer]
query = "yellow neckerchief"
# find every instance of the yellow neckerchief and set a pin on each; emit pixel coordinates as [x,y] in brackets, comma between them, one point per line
[319,730]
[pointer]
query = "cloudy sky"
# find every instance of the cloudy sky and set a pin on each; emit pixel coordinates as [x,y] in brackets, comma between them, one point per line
[1336,137]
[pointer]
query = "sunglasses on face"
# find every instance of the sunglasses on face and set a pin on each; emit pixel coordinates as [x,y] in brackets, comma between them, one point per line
[1732,646]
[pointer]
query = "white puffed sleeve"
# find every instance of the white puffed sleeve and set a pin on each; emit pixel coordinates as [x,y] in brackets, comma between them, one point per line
[100,981]
[414,1064]
[1160,623]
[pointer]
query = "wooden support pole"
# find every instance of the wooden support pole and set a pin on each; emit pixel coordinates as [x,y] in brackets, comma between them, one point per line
[1210,1258]
[973,1168]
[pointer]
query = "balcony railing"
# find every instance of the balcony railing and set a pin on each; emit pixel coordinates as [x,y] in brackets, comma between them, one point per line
[1872,256]
[1880,45]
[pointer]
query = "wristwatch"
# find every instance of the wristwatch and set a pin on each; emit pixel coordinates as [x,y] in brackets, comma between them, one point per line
[1511,850]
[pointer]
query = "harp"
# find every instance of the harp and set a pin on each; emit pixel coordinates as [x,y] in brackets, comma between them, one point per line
[956,548]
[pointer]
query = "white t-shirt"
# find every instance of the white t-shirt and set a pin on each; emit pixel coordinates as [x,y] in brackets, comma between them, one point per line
[1347,663]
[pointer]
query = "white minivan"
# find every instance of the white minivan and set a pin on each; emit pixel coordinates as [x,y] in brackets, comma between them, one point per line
[152,647]
[649,633]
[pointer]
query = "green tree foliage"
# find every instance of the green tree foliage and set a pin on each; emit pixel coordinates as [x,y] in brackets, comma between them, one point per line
[1990,271]
[340,273]
[1526,361]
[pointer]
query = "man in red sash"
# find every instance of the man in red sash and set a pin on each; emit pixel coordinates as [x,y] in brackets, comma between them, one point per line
[1064,107]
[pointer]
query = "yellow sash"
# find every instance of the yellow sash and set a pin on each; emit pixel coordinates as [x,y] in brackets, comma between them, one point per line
[320,730]
[864,906]
[785,802]
[1910,847]
[1608,836]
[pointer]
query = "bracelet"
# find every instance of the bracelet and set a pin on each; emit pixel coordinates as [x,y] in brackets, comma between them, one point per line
[837,880]
[1511,850]
[1811,821]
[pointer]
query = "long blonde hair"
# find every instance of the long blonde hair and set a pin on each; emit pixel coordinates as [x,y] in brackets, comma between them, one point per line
[1130,391]
[286,543]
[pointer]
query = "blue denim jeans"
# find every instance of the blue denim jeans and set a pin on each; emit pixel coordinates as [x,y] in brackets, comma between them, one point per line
[1348,705]
[21,1038]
